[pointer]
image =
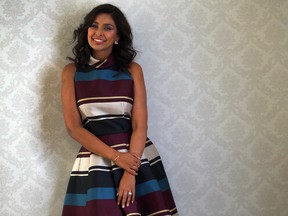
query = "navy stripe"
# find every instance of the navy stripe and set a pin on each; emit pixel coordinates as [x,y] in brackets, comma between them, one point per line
[109,126]
[93,168]
[155,159]
[80,184]
[105,74]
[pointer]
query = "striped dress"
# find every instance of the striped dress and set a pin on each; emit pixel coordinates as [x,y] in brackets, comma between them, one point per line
[105,98]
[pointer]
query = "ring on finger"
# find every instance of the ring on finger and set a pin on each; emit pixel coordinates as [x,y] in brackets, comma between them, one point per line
[130,193]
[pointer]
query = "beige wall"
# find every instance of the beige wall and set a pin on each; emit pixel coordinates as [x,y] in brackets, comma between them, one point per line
[217,81]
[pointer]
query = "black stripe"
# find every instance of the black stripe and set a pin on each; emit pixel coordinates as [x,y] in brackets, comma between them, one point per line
[109,126]
[104,116]
[155,159]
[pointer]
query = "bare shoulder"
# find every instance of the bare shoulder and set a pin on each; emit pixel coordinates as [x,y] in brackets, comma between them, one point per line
[68,71]
[135,69]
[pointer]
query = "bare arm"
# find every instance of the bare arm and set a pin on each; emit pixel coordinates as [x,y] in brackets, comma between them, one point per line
[139,112]
[84,137]
[139,133]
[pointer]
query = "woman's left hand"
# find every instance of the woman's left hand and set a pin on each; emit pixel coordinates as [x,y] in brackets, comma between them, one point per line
[126,191]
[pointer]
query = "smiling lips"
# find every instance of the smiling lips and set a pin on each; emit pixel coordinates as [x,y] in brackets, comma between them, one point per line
[98,41]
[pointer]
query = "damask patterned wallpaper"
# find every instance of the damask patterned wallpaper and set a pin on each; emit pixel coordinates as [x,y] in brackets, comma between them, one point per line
[217,80]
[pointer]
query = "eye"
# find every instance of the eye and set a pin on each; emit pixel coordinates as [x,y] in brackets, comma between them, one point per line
[108,28]
[94,25]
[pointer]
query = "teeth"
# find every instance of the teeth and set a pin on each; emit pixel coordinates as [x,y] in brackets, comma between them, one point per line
[97,40]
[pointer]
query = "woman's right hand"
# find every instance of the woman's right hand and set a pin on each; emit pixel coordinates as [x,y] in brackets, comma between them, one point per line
[128,162]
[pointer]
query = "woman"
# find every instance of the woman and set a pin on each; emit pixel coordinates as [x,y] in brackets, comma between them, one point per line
[118,170]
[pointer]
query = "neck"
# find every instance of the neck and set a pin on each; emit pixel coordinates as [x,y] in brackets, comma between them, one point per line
[101,55]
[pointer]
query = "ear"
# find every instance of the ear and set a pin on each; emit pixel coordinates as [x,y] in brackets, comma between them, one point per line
[116,41]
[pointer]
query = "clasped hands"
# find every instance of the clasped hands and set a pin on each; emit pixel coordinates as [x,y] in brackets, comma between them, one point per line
[130,162]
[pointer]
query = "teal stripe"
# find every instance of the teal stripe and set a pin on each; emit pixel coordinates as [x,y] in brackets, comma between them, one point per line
[101,193]
[75,199]
[110,193]
[93,194]
[105,74]
[152,186]
[164,184]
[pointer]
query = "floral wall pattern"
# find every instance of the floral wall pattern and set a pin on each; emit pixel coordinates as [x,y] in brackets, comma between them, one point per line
[216,75]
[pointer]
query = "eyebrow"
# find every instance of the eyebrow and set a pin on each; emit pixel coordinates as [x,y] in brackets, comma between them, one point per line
[105,24]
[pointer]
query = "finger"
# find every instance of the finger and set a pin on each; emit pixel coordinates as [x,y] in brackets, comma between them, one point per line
[132,172]
[133,197]
[139,162]
[119,198]
[136,160]
[124,199]
[129,198]
[135,168]
[136,156]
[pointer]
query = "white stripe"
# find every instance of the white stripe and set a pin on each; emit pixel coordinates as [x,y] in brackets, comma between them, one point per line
[82,153]
[144,162]
[109,108]
[83,164]
[162,211]
[96,169]
[156,161]
[99,169]
[79,174]
[116,168]
[150,152]
[120,145]
[92,60]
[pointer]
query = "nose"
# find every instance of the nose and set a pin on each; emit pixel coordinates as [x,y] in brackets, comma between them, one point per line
[98,32]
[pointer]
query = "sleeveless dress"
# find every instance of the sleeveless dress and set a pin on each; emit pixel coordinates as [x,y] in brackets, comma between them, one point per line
[105,98]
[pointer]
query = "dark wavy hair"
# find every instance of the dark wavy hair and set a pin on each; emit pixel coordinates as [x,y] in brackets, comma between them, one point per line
[124,53]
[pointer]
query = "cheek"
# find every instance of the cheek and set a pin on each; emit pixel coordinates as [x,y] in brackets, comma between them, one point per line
[110,34]
[113,36]
[90,32]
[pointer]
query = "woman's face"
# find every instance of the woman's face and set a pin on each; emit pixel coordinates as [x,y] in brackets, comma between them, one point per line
[101,36]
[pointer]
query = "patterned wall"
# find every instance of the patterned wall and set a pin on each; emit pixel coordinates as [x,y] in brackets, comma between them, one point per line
[216,74]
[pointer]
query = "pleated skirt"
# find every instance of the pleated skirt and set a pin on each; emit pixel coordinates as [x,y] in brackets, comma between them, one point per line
[94,180]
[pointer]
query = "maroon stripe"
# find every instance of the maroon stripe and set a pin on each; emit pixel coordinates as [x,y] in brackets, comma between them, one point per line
[95,207]
[103,88]
[110,140]
[114,139]
[169,200]
[83,155]
[155,202]
[148,142]
[148,204]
